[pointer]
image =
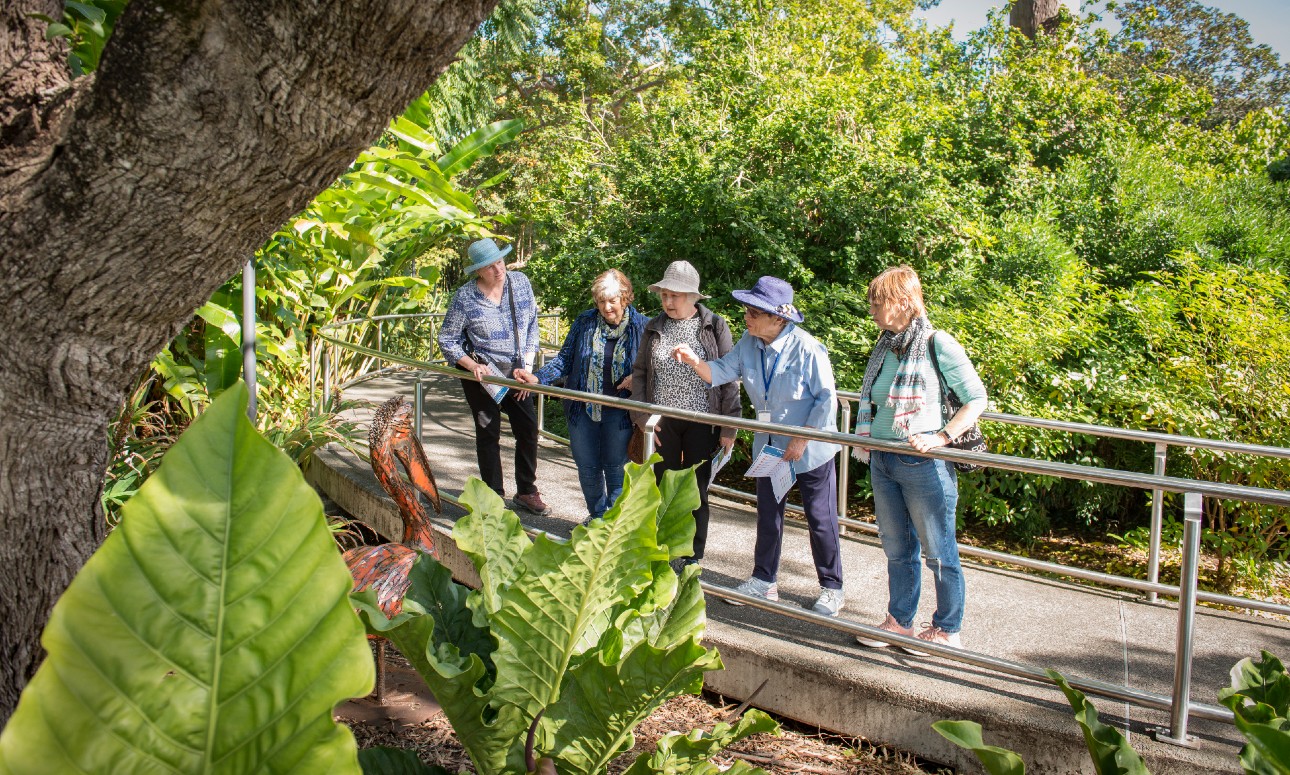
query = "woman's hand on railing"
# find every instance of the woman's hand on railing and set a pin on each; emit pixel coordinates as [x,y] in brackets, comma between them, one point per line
[526,376]
[926,442]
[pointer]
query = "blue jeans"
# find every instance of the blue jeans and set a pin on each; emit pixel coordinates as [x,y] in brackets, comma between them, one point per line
[915,499]
[600,451]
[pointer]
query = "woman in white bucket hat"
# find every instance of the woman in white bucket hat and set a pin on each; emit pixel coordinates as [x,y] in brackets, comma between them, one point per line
[658,379]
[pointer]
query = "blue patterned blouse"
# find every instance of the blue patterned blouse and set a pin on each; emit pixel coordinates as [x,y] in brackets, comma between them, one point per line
[474,324]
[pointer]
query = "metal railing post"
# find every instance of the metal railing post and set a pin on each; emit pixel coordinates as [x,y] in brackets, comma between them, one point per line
[380,345]
[326,370]
[1157,519]
[541,399]
[1193,505]
[844,466]
[651,425]
[419,396]
[313,376]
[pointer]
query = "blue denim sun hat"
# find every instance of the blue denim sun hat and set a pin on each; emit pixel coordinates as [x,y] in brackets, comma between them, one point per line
[483,252]
[772,295]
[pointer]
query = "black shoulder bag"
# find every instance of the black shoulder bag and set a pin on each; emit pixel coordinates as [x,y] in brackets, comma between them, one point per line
[971,439]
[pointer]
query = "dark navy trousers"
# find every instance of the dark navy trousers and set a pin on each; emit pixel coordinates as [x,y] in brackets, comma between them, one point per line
[819,489]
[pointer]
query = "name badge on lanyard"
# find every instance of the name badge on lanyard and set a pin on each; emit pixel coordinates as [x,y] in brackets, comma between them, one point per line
[763,414]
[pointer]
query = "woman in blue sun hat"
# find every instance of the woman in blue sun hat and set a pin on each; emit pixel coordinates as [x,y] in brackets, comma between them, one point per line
[788,378]
[492,323]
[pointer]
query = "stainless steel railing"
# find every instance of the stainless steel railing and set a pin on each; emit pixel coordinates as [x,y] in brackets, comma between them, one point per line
[1178,702]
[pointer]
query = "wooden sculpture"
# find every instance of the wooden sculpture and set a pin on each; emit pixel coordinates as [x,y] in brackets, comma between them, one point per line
[385,568]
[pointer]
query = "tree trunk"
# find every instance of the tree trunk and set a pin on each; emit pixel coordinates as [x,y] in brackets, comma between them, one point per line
[1030,16]
[128,197]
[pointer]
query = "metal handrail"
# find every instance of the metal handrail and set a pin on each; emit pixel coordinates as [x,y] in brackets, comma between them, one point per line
[1194,491]
[1005,666]
[1162,442]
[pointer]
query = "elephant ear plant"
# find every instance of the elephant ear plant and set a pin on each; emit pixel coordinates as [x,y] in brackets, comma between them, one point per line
[212,632]
[566,647]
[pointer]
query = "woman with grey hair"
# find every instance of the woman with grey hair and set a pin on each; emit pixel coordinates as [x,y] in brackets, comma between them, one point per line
[659,379]
[597,358]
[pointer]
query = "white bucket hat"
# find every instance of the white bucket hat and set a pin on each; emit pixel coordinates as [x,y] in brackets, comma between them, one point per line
[680,277]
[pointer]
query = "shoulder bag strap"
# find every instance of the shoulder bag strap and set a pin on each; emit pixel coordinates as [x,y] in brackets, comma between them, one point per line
[940,378]
[515,320]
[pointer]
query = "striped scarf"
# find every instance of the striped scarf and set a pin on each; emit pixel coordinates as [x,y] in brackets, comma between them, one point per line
[908,391]
[596,363]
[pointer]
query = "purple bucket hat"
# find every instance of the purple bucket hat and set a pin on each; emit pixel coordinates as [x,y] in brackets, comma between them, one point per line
[772,295]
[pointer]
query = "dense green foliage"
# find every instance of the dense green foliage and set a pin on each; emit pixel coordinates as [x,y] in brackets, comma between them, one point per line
[366,246]
[212,632]
[578,642]
[1108,248]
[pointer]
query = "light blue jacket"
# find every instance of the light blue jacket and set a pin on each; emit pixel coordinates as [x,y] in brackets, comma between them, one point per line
[801,390]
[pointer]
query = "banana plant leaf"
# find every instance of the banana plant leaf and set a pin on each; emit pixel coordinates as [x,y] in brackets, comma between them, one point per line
[479,143]
[212,632]
[995,760]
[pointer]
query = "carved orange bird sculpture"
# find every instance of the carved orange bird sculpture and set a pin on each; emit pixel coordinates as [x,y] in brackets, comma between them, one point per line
[385,568]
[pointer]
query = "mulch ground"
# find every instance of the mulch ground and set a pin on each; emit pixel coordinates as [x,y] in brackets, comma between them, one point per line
[409,718]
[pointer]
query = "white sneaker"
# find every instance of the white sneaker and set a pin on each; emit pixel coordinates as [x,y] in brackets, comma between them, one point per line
[755,587]
[890,625]
[829,602]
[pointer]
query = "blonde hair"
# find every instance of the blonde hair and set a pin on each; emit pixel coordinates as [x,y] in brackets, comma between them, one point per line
[899,284]
[611,283]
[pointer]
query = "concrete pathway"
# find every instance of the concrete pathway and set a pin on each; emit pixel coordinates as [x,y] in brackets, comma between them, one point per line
[821,676]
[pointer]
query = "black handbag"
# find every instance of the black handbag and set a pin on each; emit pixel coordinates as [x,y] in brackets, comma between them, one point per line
[970,440]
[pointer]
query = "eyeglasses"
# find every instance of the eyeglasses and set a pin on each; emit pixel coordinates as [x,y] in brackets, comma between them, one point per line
[755,313]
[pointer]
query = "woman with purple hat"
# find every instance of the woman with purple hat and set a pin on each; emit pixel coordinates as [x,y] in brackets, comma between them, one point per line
[789,380]
[491,323]
[658,379]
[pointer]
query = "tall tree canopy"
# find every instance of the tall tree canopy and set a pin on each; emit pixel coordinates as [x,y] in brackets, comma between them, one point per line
[128,197]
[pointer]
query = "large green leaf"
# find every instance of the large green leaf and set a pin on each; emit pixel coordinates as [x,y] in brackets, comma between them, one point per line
[1265,681]
[680,497]
[222,344]
[1267,750]
[554,609]
[689,752]
[967,734]
[212,631]
[493,539]
[395,761]
[602,703]
[1111,753]
[479,143]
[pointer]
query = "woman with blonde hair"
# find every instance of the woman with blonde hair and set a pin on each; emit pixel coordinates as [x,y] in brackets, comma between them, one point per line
[915,497]
[597,358]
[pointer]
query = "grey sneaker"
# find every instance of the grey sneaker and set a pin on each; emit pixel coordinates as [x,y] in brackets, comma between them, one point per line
[890,625]
[829,602]
[755,587]
[532,503]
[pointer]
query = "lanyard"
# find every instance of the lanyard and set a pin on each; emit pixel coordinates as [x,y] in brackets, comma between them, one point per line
[766,378]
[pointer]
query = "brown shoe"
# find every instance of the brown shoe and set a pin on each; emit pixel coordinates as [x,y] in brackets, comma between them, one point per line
[532,503]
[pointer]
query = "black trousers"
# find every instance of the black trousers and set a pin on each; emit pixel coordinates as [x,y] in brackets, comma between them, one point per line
[681,444]
[488,437]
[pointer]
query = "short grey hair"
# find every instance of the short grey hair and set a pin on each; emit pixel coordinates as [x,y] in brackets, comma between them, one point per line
[612,283]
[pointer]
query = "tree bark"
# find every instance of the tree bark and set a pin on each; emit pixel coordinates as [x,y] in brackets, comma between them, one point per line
[1030,16]
[128,197]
